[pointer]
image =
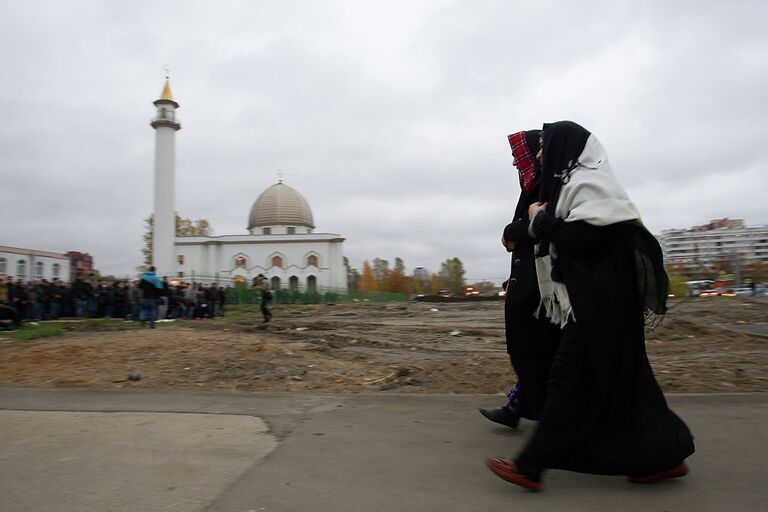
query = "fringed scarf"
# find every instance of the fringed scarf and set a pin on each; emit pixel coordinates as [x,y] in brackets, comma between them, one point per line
[583,188]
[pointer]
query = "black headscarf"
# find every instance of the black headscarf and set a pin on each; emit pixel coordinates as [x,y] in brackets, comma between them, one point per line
[564,141]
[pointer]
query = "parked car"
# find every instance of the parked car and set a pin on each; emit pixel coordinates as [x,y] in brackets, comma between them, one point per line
[709,293]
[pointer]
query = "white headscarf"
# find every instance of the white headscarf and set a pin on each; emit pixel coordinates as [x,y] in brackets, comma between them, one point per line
[592,194]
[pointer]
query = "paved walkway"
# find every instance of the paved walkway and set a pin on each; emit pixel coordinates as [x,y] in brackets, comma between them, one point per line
[82,450]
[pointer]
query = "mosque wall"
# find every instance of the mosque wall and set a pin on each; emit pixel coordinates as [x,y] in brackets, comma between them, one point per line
[248,256]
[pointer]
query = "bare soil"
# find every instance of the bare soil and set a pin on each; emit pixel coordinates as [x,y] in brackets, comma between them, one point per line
[415,347]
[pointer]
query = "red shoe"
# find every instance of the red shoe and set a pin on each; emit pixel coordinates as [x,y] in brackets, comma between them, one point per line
[507,470]
[676,472]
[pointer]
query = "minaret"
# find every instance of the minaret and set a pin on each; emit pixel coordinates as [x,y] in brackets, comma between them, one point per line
[165,125]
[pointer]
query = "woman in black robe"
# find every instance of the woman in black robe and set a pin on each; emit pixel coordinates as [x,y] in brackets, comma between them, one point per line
[599,271]
[531,341]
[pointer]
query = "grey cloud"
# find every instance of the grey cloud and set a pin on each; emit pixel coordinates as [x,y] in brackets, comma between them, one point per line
[390,118]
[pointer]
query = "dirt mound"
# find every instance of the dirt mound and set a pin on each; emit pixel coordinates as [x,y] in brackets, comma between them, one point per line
[418,347]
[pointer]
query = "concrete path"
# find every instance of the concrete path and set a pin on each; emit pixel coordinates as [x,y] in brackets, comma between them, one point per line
[81,450]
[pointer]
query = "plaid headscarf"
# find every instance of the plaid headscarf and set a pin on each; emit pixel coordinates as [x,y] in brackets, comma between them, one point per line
[527,165]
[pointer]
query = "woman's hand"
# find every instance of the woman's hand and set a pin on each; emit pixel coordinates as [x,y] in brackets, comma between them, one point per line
[535,208]
[509,245]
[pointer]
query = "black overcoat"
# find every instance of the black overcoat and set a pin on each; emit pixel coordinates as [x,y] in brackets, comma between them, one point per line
[612,274]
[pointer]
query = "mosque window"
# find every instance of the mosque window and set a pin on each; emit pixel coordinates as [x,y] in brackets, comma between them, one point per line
[180,259]
[2,265]
[277,261]
[291,230]
[56,270]
[21,268]
[267,231]
[293,283]
[39,269]
[275,283]
[312,283]
[241,261]
[312,260]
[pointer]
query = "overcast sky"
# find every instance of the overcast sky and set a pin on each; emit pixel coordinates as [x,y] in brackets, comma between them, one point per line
[390,118]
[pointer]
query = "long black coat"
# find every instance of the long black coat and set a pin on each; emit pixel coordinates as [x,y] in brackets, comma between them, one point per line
[531,341]
[612,273]
[526,334]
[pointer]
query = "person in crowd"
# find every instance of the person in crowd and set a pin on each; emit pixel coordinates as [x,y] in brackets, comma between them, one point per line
[19,297]
[9,316]
[59,300]
[599,272]
[136,299]
[151,288]
[262,284]
[79,295]
[33,304]
[42,288]
[176,301]
[221,299]
[93,292]
[107,299]
[531,341]
[190,298]
[212,299]
[202,305]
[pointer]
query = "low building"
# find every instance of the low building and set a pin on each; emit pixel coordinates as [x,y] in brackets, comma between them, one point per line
[31,264]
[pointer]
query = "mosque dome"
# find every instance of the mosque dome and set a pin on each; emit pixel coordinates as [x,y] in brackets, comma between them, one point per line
[280,205]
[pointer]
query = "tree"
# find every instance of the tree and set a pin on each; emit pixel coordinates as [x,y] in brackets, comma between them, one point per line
[395,280]
[353,279]
[184,227]
[677,285]
[435,283]
[452,274]
[758,271]
[353,276]
[380,269]
[367,280]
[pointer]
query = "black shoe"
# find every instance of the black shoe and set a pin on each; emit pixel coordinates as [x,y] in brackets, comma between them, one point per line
[501,415]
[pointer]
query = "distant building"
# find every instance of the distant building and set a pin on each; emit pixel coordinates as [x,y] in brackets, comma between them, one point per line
[79,262]
[722,240]
[30,264]
[421,273]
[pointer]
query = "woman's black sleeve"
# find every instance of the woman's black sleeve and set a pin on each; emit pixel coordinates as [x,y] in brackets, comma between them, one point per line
[574,237]
[517,231]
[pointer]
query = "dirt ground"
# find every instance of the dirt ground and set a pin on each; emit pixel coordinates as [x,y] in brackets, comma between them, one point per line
[414,347]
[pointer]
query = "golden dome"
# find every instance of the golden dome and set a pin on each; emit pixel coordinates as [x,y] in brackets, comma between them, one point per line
[280,205]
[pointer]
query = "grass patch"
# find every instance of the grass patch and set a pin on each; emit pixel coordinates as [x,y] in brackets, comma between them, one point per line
[33,332]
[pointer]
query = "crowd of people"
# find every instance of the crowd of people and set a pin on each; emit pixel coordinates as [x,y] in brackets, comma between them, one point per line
[89,297]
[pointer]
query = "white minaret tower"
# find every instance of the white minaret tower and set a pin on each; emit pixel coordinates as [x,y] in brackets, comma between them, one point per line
[165,125]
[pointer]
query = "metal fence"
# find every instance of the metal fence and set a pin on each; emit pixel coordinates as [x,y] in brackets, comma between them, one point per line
[242,292]
[246,295]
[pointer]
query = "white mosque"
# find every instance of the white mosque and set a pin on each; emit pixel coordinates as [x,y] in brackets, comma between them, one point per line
[280,243]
